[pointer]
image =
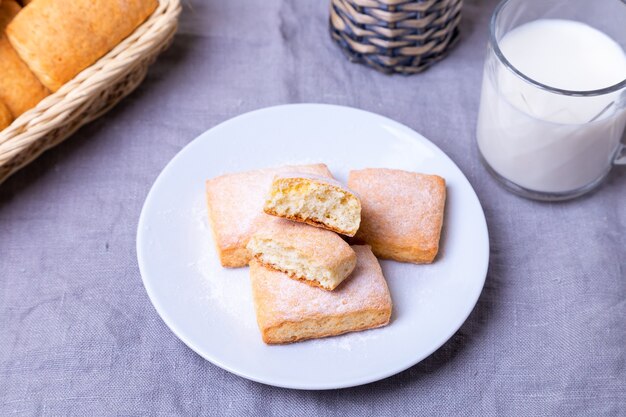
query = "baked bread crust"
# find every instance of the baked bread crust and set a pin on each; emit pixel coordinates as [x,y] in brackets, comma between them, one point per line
[314,256]
[288,311]
[5,116]
[402,213]
[59,38]
[235,206]
[314,200]
[20,90]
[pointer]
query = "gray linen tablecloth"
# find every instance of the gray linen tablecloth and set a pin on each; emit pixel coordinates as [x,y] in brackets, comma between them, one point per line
[78,335]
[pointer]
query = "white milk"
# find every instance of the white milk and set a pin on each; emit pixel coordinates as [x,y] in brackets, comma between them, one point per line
[544,141]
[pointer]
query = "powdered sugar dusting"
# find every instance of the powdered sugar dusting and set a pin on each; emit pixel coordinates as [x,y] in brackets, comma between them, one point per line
[389,195]
[236,201]
[285,299]
[347,342]
[227,289]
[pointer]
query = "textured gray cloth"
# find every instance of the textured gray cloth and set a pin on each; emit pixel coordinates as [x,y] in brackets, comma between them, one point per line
[78,335]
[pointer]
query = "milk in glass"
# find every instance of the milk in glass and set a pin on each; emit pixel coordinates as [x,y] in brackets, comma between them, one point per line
[540,139]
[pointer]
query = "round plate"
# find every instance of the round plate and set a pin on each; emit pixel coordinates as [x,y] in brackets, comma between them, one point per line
[210,308]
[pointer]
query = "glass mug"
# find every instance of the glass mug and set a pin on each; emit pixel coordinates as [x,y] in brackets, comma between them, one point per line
[544,142]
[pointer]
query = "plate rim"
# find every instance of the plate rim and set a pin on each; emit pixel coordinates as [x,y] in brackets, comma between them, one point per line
[370,378]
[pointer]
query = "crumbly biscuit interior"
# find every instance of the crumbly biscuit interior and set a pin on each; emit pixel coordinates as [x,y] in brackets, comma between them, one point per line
[320,203]
[290,260]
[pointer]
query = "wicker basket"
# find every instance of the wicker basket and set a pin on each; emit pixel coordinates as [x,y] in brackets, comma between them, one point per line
[395,36]
[90,94]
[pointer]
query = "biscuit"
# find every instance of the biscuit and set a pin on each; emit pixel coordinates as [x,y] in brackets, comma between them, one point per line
[19,88]
[402,213]
[59,38]
[5,116]
[317,201]
[312,255]
[235,204]
[288,311]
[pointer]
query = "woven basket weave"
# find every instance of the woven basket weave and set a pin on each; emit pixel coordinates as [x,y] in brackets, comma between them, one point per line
[395,36]
[90,94]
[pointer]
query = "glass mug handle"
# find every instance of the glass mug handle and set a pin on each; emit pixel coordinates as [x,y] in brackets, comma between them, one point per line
[620,155]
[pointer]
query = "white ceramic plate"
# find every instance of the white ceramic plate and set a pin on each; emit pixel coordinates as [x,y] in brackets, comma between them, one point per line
[210,308]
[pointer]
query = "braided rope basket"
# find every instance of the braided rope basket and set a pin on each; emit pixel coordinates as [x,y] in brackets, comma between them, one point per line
[395,36]
[90,94]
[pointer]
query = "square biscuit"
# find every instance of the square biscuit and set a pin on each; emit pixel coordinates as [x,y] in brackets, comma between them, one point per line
[235,205]
[288,311]
[402,213]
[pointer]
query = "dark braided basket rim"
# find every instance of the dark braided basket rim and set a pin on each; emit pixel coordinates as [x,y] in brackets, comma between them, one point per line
[395,36]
